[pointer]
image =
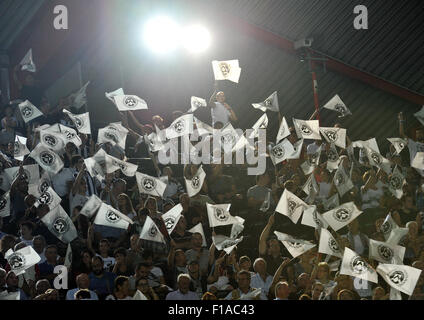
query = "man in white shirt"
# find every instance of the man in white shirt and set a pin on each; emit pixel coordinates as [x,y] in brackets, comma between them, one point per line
[183,292]
[83,282]
[221,112]
[261,280]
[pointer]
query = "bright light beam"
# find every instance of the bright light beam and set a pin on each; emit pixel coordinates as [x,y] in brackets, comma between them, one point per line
[195,38]
[161,34]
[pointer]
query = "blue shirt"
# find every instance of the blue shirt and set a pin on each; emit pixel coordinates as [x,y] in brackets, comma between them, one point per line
[103,285]
[178,295]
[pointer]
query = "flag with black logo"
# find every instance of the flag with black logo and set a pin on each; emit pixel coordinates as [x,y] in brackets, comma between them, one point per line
[27,63]
[400,277]
[67,134]
[150,185]
[342,181]
[151,232]
[20,149]
[68,257]
[180,127]
[312,161]
[198,228]
[342,215]
[197,103]
[336,104]
[50,198]
[294,246]
[226,70]
[47,159]
[396,183]
[356,266]
[171,217]
[334,135]
[5,205]
[29,111]
[377,160]
[113,164]
[194,185]
[283,131]
[270,104]
[387,226]
[281,151]
[228,137]
[153,142]
[91,206]
[60,224]
[262,123]
[225,243]
[81,121]
[117,92]
[392,233]
[43,184]
[297,150]
[79,98]
[219,215]
[52,141]
[307,129]
[31,174]
[291,206]
[312,218]
[22,259]
[112,135]
[328,245]
[386,253]
[110,217]
[129,103]
[398,143]
[333,159]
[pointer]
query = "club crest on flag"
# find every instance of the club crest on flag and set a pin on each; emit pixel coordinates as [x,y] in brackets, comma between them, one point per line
[332,244]
[112,217]
[60,226]
[278,152]
[228,138]
[27,112]
[398,277]
[376,158]
[179,126]
[3,203]
[169,223]
[342,214]
[47,158]
[50,140]
[17,261]
[195,182]
[220,215]
[79,122]
[225,68]
[111,136]
[153,231]
[46,198]
[292,205]
[395,182]
[306,130]
[294,245]
[148,184]
[340,108]
[385,253]
[358,265]
[130,101]
[339,179]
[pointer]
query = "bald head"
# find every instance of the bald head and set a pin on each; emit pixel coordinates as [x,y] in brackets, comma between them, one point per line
[83,281]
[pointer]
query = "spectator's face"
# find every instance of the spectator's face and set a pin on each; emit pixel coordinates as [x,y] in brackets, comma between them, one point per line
[120,258]
[124,289]
[103,247]
[274,247]
[344,282]
[180,259]
[322,273]
[12,281]
[316,292]
[303,281]
[86,258]
[51,255]
[83,281]
[220,97]
[284,291]
[38,245]
[143,286]
[260,267]
[246,265]
[346,296]
[378,293]
[184,285]
[42,286]
[143,272]
[243,281]
[25,231]
[97,266]
[193,267]
[122,201]
[196,240]
[420,135]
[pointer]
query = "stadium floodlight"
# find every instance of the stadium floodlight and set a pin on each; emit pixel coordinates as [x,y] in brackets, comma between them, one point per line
[195,38]
[161,34]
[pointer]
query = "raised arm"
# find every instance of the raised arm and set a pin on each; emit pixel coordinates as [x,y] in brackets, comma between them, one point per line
[213,96]
[401,119]
[264,235]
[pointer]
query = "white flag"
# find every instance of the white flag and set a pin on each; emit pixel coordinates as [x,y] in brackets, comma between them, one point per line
[151,232]
[60,224]
[312,161]
[284,131]
[377,160]
[153,142]
[334,135]
[342,181]
[400,277]
[50,198]
[22,259]
[281,151]
[396,183]
[180,127]
[420,115]
[228,137]
[354,265]
[311,186]
[328,245]
[42,185]
[397,236]
[197,103]
[171,217]
[113,136]
[388,225]
[333,159]
[336,104]
[52,141]
[111,95]
[219,215]
[202,128]
[20,149]
[91,206]
[398,143]
[237,227]
[150,185]
[113,164]
[342,215]
[297,150]
[6,296]
[194,185]
[226,70]
[5,205]
[418,161]
[129,103]
[307,129]
[267,202]
[291,206]
[224,243]
[79,98]
[81,121]
[31,173]
[96,165]
[270,104]
[110,217]
[29,111]
[68,134]
[47,159]
[68,257]
[311,217]
[386,253]
[198,228]
[27,63]
[295,247]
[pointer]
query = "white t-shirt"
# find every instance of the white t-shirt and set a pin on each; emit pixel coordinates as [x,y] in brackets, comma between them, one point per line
[108,262]
[220,114]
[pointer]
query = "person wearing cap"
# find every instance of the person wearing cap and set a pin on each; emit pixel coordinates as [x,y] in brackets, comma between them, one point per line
[198,282]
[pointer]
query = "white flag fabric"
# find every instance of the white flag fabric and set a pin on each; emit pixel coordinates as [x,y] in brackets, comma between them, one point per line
[22,259]
[68,257]
[20,149]
[396,183]
[180,127]
[262,123]
[96,165]
[60,224]
[291,206]
[91,206]
[370,143]
[267,202]
[295,247]
[281,151]
[50,198]
[194,185]
[79,98]
[29,111]
[198,228]
[283,131]
[311,186]
[420,115]
[113,164]
[397,236]
[111,95]
[342,181]
[270,104]
[53,141]
[312,218]
[47,159]
[333,159]
[334,135]
[386,253]
[4,183]
[150,185]
[336,104]
[328,245]
[5,205]
[237,227]
[151,232]
[129,103]
[31,173]
[27,63]
[398,143]
[377,160]
[219,215]
[226,70]
[202,128]
[110,217]
[307,129]
[68,134]
[332,202]
[342,215]
[197,103]
[400,277]
[81,121]
[356,266]
[171,217]
[388,226]
[297,150]
[153,142]
[418,161]
[113,136]
[228,137]
[42,185]
[224,243]
[312,161]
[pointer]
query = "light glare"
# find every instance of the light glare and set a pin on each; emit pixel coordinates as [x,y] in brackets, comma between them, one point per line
[195,38]
[161,34]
